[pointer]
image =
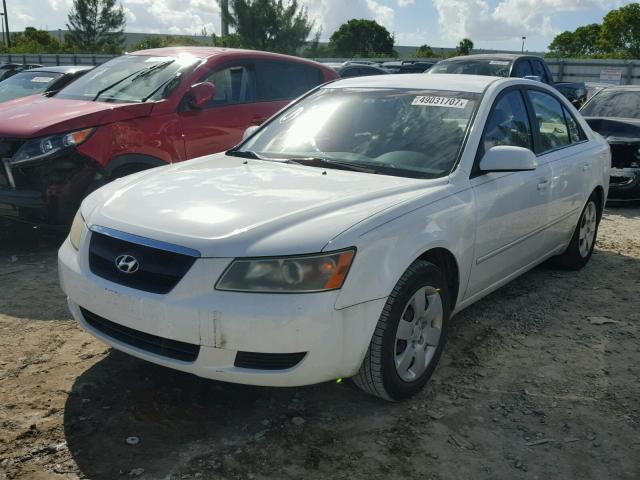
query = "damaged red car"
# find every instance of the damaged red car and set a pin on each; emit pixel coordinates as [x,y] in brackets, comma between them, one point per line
[137,111]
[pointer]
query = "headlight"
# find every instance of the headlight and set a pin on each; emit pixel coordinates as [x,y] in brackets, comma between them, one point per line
[42,147]
[300,274]
[76,230]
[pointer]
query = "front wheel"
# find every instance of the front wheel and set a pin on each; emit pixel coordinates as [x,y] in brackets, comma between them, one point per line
[410,335]
[583,241]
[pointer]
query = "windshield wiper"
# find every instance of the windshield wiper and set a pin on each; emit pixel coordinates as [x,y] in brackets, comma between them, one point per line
[135,75]
[244,154]
[330,163]
[151,69]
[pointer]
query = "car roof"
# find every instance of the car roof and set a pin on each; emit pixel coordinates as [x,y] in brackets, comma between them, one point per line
[62,69]
[208,52]
[492,56]
[454,82]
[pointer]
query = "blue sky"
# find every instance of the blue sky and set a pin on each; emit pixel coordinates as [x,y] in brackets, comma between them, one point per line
[496,24]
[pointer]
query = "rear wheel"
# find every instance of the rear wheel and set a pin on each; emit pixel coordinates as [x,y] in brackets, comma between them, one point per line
[583,241]
[410,335]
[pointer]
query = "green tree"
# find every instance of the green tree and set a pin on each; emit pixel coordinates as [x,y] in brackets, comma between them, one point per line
[33,40]
[424,51]
[584,42]
[269,24]
[232,40]
[464,47]
[157,41]
[563,45]
[361,38]
[96,26]
[620,33]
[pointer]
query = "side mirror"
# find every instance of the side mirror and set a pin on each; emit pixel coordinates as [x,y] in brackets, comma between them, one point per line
[535,78]
[507,158]
[249,131]
[201,94]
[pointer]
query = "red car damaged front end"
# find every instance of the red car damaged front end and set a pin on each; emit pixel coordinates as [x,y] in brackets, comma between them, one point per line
[50,154]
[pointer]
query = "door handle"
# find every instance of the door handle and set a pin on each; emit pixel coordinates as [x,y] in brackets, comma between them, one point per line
[543,184]
[586,167]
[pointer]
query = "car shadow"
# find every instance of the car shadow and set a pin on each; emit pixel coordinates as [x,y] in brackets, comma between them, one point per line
[168,411]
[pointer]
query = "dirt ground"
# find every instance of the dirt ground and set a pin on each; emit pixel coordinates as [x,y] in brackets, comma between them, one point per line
[540,380]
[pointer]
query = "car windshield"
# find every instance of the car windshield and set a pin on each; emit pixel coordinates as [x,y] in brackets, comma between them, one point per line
[130,78]
[26,83]
[402,132]
[487,67]
[614,103]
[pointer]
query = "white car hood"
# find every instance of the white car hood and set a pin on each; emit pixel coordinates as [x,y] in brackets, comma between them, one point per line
[228,207]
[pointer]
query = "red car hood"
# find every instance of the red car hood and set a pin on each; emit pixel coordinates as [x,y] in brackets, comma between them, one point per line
[36,116]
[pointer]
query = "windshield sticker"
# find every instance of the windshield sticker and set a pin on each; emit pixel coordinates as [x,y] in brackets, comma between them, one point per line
[41,79]
[498,62]
[156,59]
[430,101]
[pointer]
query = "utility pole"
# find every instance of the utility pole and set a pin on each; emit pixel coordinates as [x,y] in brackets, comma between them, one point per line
[523,39]
[2,22]
[224,12]
[6,23]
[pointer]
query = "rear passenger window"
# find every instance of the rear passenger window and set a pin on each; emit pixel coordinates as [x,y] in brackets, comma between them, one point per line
[539,70]
[523,69]
[234,84]
[350,72]
[575,132]
[508,123]
[551,125]
[279,81]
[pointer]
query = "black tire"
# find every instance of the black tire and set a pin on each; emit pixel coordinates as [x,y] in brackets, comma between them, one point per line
[378,375]
[572,258]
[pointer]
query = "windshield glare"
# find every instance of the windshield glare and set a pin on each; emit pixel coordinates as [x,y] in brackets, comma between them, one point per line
[613,103]
[130,78]
[405,132]
[492,68]
[26,83]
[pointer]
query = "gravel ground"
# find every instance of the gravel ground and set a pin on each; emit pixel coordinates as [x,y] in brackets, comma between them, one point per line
[540,380]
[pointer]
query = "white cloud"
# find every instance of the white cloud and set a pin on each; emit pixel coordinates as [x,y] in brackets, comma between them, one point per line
[404,3]
[330,14]
[509,19]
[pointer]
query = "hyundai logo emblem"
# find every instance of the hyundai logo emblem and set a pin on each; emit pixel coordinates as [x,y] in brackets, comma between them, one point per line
[127,263]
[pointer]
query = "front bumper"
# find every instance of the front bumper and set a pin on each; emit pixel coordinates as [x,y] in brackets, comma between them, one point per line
[49,190]
[624,184]
[223,324]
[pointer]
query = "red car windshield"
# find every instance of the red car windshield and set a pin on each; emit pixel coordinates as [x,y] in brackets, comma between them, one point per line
[130,78]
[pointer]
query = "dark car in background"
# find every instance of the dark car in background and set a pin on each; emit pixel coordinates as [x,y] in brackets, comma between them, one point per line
[614,112]
[407,66]
[42,80]
[9,69]
[356,69]
[141,110]
[511,65]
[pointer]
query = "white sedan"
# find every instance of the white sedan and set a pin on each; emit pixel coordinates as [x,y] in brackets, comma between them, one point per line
[340,238]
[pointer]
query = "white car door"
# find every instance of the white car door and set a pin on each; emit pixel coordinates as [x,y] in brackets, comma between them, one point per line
[564,146]
[512,208]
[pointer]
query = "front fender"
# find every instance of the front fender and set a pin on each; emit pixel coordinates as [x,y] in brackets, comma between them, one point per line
[386,251]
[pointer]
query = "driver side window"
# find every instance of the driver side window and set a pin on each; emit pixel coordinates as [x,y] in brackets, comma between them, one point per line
[508,123]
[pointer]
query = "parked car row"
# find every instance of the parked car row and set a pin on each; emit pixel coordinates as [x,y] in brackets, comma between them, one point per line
[337,230]
[9,69]
[39,80]
[161,106]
